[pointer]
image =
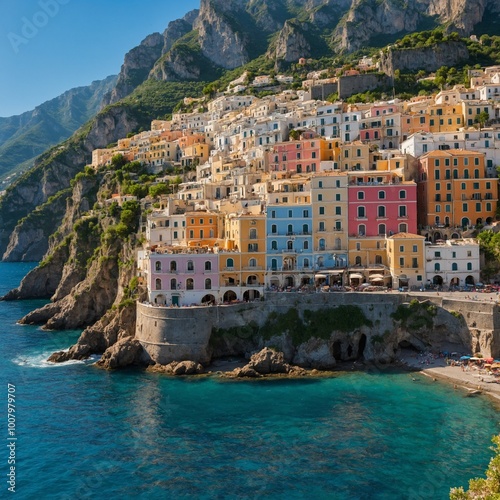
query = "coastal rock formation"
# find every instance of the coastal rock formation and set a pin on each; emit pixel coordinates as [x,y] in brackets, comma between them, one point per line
[315,354]
[178,368]
[266,362]
[125,352]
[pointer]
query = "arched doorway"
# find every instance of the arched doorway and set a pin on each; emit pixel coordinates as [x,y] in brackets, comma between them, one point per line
[208,299]
[455,236]
[437,280]
[479,220]
[160,300]
[455,281]
[289,281]
[229,296]
[250,295]
[489,220]
[252,280]
[465,222]
[437,236]
[469,280]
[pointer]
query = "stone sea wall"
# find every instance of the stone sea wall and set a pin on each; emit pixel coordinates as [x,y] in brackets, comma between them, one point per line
[371,326]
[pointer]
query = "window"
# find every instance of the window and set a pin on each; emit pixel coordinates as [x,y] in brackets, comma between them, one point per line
[253,247]
[401,261]
[273,214]
[274,245]
[190,284]
[361,229]
[478,207]
[437,267]
[454,266]
[322,245]
[208,266]
[208,284]
[438,208]
[320,184]
[191,233]
[321,210]
[289,229]
[361,195]
[158,283]
[464,207]
[320,197]
[229,263]
[305,228]
[274,264]
[381,229]
[253,233]
[414,262]
[469,266]
[321,226]
[274,229]
[252,263]
[338,210]
[358,248]
[402,211]
[401,248]
[306,213]
[190,265]
[381,195]
[381,211]
[437,255]
[290,214]
[175,235]
[305,245]
[158,266]
[361,212]
[173,284]
[436,174]
[402,195]
[414,248]
[337,197]
[403,228]
[173,266]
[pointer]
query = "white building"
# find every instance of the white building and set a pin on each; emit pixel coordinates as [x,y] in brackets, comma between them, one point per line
[452,262]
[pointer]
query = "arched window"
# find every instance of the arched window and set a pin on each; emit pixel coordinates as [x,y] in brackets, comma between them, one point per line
[158,283]
[229,263]
[306,245]
[361,229]
[190,284]
[454,266]
[466,173]
[274,245]
[253,233]
[208,265]
[305,228]
[289,229]
[252,263]
[437,266]
[306,262]
[381,229]
[378,259]
[173,284]
[322,245]
[208,284]
[190,265]
[338,243]
[357,261]
[361,212]
[476,173]
[157,265]
[274,229]
[274,264]
[289,245]
[381,211]
[173,266]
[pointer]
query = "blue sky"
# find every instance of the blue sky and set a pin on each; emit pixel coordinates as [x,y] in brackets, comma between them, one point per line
[50,46]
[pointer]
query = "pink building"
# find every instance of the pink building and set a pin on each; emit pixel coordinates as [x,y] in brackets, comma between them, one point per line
[296,156]
[380,204]
[183,278]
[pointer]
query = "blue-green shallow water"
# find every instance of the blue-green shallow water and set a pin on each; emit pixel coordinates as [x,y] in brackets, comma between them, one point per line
[85,433]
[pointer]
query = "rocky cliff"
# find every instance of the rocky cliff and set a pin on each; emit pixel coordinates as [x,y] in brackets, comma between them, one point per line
[426,58]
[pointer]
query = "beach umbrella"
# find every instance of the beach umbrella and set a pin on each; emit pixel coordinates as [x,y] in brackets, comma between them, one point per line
[463,358]
[474,358]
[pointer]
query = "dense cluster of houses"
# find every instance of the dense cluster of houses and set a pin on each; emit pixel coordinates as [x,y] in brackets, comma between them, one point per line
[296,193]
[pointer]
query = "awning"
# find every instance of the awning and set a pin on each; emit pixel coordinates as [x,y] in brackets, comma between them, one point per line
[320,276]
[376,277]
[356,276]
[335,272]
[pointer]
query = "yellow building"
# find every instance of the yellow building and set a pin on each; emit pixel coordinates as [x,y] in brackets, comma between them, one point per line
[453,189]
[354,156]
[329,149]
[405,258]
[445,117]
[367,261]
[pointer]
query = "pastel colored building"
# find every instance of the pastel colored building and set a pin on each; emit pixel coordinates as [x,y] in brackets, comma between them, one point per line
[453,262]
[405,258]
[183,278]
[453,189]
[381,203]
[289,245]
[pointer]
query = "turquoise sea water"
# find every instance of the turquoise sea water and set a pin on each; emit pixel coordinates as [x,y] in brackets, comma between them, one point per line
[85,433]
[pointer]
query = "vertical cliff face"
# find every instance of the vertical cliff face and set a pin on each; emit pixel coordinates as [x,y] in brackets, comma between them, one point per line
[292,43]
[217,33]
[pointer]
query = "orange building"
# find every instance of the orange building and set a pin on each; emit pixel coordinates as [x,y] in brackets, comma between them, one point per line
[453,189]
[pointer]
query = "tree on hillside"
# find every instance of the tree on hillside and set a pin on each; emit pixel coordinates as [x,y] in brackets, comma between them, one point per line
[481,118]
[483,489]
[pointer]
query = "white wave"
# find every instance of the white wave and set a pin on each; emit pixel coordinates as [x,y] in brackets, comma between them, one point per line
[40,361]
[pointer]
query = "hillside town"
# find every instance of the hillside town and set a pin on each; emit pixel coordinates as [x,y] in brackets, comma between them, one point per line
[292,192]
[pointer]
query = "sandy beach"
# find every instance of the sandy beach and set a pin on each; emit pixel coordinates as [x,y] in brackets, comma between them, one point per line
[470,382]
